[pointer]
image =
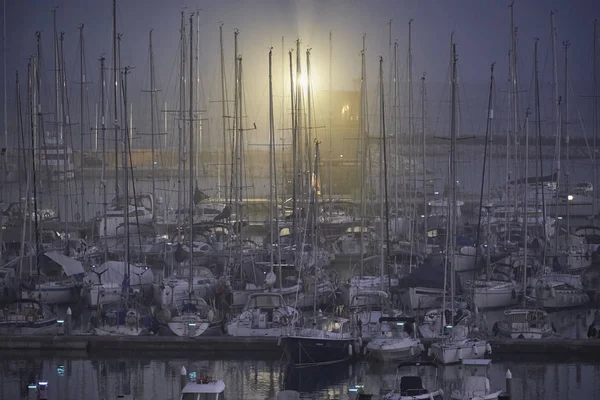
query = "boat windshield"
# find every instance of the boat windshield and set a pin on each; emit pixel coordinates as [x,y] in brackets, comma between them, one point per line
[326,324]
[265,301]
[202,396]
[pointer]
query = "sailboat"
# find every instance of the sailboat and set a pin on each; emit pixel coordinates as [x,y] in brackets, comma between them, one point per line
[195,317]
[526,322]
[458,345]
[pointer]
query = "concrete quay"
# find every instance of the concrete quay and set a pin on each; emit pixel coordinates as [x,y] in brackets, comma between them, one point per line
[551,349]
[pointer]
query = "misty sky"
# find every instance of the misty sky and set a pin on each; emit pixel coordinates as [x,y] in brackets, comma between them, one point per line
[481,32]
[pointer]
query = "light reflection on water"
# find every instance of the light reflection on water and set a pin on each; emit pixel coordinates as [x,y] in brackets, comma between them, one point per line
[104,379]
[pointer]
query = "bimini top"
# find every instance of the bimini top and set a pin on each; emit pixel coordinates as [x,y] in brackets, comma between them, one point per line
[208,387]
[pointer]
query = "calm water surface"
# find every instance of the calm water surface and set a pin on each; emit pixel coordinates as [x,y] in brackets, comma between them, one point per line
[158,379]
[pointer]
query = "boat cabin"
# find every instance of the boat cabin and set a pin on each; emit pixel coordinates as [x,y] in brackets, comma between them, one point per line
[475,379]
[265,301]
[526,318]
[204,389]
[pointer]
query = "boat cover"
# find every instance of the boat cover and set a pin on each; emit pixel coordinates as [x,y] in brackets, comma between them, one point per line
[427,275]
[114,272]
[68,264]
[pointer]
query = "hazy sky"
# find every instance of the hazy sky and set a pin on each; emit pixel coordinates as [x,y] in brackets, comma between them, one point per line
[481,32]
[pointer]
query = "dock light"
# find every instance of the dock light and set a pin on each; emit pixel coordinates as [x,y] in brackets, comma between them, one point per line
[31,387]
[422,216]
[60,370]
[60,321]
[570,197]
[353,390]
[341,156]
[448,326]
[192,376]
[400,323]
[191,324]
[436,193]
[43,383]
[559,217]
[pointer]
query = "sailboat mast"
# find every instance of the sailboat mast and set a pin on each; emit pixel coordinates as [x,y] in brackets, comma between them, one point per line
[57,77]
[411,135]
[299,117]
[235,159]
[557,117]
[4,114]
[539,134]
[271,153]
[566,134]
[225,115]
[81,123]
[104,177]
[191,153]
[423,95]
[152,133]
[363,150]
[241,171]
[115,99]
[452,213]
[330,116]
[126,150]
[385,180]
[398,161]
[294,151]
[309,125]
[181,124]
[382,259]
[595,113]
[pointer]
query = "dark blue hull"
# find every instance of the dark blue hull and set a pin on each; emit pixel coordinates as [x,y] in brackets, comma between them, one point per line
[307,351]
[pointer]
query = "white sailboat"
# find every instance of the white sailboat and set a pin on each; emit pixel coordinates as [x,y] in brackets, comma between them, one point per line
[265,314]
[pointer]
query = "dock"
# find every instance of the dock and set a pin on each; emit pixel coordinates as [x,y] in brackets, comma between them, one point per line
[553,349]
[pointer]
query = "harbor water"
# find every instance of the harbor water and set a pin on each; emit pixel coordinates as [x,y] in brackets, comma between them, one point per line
[70,377]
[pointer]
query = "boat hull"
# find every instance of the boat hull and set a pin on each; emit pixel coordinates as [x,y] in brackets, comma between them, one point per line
[496,296]
[52,293]
[455,352]
[421,297]
[20,326]
[308,351]
[389,353]
[194,329]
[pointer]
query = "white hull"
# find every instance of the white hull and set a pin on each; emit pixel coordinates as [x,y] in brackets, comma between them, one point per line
[496,295]
[180,326]
[104,294]
[237,330]
[49,327]
[452,352]
[394,350]
[52,293]
[421,297]
[525,333]
[563,299]
[437,395]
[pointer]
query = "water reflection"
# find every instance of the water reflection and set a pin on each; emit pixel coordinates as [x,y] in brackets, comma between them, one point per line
[104,379]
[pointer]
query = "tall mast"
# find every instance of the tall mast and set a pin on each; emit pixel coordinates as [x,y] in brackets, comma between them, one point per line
[595,114]
[66,123]
[299,118]
[452,213]
[423,95]
[191,153]
[411,137]
[557,118]
[5,112]
[488,127]
[566,134]
[126,151]
[384,181]
[309,126]
[282,122]
[152,133]
[539,133]
[57,78]
[115,100]
[525,210]
[330,115]
[240,171]
[363,149]
[271,155]
[81,123]
[234,159]
[294,150]
[398,166]
[104,177]
[382,259]
[225,115]
[181,124]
